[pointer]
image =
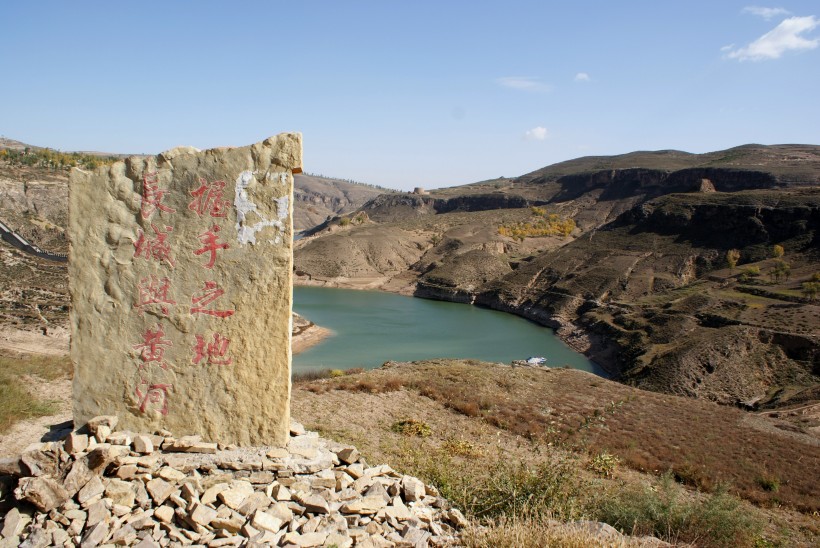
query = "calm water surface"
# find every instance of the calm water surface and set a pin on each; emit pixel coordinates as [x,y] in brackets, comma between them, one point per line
[372,327]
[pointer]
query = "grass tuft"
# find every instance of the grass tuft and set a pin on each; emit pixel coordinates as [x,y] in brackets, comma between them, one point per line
[666,512]
[17,403]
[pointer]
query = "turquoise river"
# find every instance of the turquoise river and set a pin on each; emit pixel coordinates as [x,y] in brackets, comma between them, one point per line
[372,327]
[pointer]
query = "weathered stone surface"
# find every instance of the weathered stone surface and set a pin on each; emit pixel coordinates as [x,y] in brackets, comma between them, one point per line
[120,492]
[159,489]
[75,442]
[94,423]
[93,488]
[143,444]
[364,506]
[348,455]
[313,503]
[40,459]
[180,273]
[13,523]
[95,535]
[12,467]
[43,492]
[412,488]
[202,515]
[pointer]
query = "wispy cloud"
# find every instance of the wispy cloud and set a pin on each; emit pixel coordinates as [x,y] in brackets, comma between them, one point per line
[766,13]
[536,134]
[523,83]
[582,77]
[784,37]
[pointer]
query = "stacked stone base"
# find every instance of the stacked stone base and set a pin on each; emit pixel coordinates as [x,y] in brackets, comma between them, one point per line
[113,488]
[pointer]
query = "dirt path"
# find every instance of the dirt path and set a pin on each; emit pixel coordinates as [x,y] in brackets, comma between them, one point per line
[56,426]
[55,343]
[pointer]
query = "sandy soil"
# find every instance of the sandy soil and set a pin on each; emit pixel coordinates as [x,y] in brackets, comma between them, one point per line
[309,337]
[56,426]
[55,343]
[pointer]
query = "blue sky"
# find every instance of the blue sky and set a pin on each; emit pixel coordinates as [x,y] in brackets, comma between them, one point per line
[405,94]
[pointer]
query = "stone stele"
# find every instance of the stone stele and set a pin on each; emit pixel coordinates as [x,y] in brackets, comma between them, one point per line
[180,272]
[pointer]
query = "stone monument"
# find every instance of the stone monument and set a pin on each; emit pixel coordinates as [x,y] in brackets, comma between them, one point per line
[180,272]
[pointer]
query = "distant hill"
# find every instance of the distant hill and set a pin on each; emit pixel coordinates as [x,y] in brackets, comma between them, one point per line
[317,197]
[788,164]
[627,257]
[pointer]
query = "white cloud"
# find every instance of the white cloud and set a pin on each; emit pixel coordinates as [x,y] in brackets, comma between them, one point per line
[766,13]
[524,83]
[582,77]
[730,47]
[784,37]
[536,134]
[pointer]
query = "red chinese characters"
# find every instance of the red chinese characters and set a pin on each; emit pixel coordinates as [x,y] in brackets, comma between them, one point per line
[208,199]
[152,196]
[159,347]
[152,348]
[212,352]
[156,248]
[210,244]
[210,292]
[153,290]
[153,396]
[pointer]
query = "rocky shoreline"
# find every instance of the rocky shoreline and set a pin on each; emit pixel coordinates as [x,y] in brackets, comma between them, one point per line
[592,345]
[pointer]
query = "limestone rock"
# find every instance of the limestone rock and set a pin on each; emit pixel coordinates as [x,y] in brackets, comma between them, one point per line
[143,444]
[76,443]
[13,523]
[180,272]
[40,459]
[159,489]
[43,492]
[109,421]
[93,488]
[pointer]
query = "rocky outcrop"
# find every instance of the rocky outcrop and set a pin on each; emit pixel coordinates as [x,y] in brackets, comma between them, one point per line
[317,198]
[104,487]
[391,207]
[619,184]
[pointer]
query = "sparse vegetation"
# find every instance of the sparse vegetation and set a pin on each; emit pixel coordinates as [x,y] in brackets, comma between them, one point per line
[749,274]
[17,403]
[544,224]
[53,159]
[645,431]
[665,511]
[781,269]
[777,251]
[732,257]
[810,290]
[412,427]
[604,463]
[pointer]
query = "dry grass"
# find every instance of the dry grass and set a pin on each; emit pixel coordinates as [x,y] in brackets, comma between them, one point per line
[16,402]
[703,445]
[511,487]
[535,532]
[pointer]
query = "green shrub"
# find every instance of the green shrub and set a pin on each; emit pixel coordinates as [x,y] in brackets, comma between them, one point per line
[412,427]
[604,464]
[504,488]
[666,512]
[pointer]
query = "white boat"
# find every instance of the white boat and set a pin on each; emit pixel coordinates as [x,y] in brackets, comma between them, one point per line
[536,360]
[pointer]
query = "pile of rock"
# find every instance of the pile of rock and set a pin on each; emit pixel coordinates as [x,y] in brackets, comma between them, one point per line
[118,488]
